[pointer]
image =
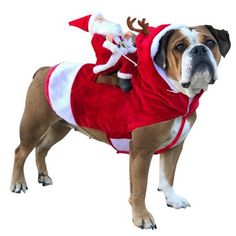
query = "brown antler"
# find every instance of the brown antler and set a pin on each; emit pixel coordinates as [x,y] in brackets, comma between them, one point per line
[141,23]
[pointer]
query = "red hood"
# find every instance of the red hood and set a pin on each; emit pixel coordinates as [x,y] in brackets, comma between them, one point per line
[147,47]
[158,97]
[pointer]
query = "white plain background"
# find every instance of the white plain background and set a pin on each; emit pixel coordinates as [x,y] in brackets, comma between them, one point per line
[91,183]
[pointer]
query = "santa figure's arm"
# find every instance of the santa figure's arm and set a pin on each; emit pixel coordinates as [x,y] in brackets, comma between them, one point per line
[110,44]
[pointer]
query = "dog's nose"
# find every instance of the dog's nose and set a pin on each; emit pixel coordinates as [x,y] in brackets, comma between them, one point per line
[199,50]
[185,85]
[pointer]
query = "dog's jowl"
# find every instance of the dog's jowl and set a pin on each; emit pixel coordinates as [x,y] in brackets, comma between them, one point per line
[175,66]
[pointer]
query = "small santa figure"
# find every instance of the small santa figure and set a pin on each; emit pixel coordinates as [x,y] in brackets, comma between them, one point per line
[114,49]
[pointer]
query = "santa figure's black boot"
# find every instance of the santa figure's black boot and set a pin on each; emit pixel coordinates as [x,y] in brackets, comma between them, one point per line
[125,84]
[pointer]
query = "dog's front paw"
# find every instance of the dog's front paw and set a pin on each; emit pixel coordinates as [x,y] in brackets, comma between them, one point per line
[176,202]
[45,180]
[18,186]
[144,221]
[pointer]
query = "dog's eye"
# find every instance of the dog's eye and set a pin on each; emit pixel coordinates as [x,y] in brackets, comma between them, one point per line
[180,47]
[210,43]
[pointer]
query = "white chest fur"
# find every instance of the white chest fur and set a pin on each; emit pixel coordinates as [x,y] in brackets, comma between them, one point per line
[175,130]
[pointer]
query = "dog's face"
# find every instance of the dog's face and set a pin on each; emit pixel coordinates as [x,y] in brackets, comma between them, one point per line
[190,56]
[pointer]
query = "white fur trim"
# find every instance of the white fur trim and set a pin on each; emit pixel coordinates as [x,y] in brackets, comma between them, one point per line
[110,46]
[59,88]
[121,144]
[157,38]
[111,62]
[124,75]
[132,49]
[164,76]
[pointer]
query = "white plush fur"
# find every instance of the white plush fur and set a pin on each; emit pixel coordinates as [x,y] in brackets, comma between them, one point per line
[94,17]
[121,144]
[60,85]
[105,27]
[124,75]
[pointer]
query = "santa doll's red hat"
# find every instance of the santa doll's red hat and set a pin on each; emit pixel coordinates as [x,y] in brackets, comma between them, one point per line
[86,23]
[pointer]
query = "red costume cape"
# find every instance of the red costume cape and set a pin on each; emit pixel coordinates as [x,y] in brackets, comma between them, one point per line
[107,108]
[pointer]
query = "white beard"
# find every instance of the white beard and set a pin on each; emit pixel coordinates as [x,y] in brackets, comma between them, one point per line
[106,27]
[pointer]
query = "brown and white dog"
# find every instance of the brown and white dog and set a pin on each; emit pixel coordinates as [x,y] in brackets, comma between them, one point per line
[189,57]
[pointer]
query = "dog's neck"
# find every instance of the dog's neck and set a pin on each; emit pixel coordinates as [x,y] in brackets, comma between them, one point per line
[191,92]
[175,86]
[178,87]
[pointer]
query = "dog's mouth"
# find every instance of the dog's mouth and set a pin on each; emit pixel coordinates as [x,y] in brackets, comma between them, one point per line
[203,68]
[201,75]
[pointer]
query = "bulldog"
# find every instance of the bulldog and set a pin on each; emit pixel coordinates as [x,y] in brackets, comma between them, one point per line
[182,63]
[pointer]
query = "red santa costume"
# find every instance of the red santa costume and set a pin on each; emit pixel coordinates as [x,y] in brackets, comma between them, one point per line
[73,94]
[108,54]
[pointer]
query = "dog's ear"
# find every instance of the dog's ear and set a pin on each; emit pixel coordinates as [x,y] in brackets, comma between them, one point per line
[160,57]
[222,38]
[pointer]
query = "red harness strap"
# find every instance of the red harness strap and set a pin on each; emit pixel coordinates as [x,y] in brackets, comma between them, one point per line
[175,140]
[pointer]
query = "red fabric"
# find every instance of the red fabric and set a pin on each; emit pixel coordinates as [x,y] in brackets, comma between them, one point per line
[170,145]
[103,55]
[125,66]
[109,109]
[100,106]
[81,23]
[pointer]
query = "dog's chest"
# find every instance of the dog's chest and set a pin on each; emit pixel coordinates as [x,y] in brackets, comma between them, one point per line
[175,129]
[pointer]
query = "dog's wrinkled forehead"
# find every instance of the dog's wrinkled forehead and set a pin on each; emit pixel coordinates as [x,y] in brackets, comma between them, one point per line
[187,34]
[186,38]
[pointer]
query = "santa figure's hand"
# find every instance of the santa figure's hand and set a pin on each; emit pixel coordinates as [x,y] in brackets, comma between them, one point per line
[128,35]
[110,37]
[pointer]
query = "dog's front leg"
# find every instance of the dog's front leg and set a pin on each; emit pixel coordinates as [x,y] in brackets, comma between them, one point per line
[139,167]
[168,162]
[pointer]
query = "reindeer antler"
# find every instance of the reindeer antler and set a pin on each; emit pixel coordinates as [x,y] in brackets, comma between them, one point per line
[142,23]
